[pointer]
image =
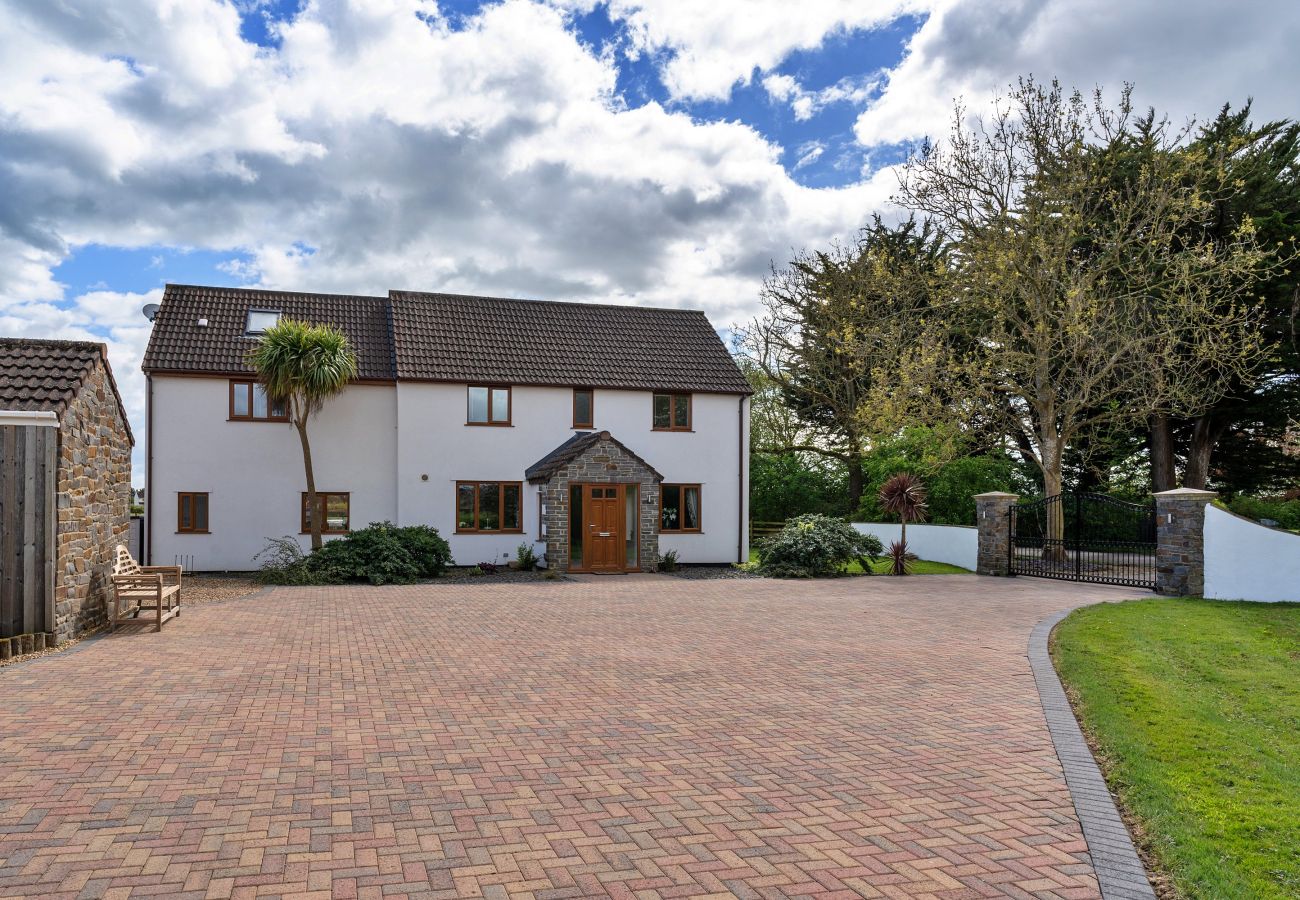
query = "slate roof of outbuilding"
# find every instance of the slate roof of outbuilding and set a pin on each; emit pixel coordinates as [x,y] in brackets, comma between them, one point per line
[39,375]
[180,344]
[459,338]
[574,447]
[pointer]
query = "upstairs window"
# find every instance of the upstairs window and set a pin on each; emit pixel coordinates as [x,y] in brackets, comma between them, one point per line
[334,510]
[249,403]
[679,508]
[489,506]
[192,513]
[584,408]
[261,319]
[488,405]
[672,412]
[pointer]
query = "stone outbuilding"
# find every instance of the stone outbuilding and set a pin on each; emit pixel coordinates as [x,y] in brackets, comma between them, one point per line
[65,488]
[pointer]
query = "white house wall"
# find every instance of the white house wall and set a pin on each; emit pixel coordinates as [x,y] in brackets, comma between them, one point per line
[1246,561]
[956,545]
[253,472]
[436,442]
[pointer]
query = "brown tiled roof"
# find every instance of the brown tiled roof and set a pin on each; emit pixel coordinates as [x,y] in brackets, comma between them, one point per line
[458,338]
[179,344]
[561,456]
[44,375]
[452,337]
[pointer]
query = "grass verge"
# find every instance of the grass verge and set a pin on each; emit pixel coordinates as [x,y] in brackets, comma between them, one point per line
[881,567]
[1194,708]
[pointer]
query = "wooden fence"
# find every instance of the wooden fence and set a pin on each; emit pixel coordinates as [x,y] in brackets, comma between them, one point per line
[28,520]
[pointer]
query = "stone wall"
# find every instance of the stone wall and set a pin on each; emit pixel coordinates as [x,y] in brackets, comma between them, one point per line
[94,504]
[1180,541]
[603,463]
[993,519]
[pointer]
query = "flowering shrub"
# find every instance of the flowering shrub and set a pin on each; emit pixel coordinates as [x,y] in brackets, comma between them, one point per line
[816,546]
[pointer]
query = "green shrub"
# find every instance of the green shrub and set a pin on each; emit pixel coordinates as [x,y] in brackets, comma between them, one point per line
[525,557]
[668,561]
[816,546]
[1285,512]
[380,553]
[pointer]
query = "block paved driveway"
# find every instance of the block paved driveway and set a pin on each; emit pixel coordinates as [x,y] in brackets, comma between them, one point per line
[631,736]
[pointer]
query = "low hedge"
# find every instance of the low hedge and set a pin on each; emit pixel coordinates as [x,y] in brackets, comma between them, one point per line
[380,553]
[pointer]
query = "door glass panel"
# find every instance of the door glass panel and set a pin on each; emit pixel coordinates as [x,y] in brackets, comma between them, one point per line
[465,506]
[239,400]
[500,405]
[575,526]
[630,524]
[682,411]
[663,410]
[478,404]
[489,506]
[511,517]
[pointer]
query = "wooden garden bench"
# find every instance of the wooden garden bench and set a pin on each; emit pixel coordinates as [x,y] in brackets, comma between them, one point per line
[143,587]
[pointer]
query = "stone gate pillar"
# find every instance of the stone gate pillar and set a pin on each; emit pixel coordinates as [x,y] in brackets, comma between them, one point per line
[993,519]
[1180,541]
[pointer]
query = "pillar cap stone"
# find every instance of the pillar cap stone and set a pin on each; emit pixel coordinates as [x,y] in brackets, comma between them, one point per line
[997,495]
[1188,494]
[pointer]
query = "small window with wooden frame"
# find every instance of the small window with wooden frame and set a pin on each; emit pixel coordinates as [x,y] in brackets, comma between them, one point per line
[191,512]
[486,404]
[584,408]
[335,512]
[489,507]
[680,509]
[249,403]
[672,412]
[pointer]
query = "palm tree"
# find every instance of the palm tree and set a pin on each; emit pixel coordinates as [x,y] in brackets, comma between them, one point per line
[904,496]
[301,366]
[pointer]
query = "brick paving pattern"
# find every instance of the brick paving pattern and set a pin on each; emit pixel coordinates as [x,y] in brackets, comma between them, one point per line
[626,737]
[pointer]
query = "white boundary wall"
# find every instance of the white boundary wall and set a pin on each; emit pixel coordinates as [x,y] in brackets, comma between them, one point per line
[957,545]
[1246,561]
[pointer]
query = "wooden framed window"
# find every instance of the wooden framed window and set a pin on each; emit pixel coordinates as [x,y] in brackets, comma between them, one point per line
[192,512]
[672,412]
[335,511]
[487,405]
[584,408]
[489,506]
[249,403]
[679,508]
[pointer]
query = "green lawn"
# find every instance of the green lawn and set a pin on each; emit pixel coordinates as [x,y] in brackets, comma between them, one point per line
[1195,707]
[919,567]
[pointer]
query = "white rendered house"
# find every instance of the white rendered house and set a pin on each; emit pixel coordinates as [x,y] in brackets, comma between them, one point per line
[603,435]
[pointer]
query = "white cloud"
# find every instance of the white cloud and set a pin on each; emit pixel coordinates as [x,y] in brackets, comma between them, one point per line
[710,47]
[806,104]
[1186,58]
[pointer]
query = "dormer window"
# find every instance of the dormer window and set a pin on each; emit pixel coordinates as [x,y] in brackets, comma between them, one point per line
[261,319]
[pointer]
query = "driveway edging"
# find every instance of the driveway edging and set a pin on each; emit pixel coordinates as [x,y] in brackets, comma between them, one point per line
[1120,873]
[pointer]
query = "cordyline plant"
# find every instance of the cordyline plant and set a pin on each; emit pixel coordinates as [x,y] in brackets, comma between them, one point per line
[302,365]
[904,496]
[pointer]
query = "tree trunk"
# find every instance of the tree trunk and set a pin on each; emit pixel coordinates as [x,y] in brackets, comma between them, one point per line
[854,462]
[314,517]
[1054,543]
[1163,476]
[1205,434]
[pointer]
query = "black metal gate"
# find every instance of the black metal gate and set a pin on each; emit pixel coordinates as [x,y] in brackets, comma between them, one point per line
[1085,537]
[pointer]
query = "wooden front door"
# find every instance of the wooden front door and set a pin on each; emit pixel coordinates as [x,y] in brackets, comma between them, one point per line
[603,524]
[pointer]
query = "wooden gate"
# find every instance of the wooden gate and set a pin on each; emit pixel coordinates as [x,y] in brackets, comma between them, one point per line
[28,521]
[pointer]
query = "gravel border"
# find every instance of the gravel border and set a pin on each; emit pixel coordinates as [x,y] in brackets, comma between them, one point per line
[710,573]
[503,576]
[1120,873]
